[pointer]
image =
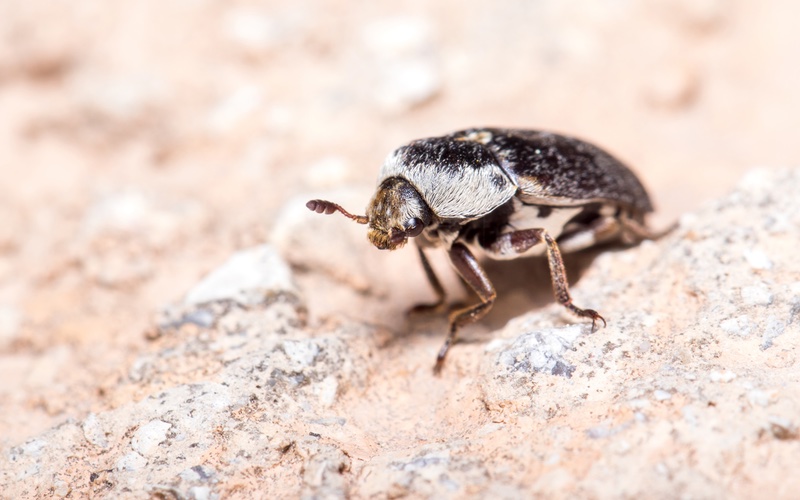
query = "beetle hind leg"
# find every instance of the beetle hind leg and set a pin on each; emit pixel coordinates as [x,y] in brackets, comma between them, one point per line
[521,241]
[635,231]
[558,275]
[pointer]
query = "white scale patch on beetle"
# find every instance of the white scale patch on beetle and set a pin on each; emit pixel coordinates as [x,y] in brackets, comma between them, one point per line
[466,193]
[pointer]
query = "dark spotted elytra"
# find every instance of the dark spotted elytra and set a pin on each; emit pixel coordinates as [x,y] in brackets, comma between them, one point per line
[503,194]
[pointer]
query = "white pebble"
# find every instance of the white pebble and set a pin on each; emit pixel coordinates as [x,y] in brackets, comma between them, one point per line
[93,431]
[200,492]
[661,395]
[130,462]
[726,376]
[739,325]
[147,438]
[247,278]
[758,397]
[757,259]
[301,353]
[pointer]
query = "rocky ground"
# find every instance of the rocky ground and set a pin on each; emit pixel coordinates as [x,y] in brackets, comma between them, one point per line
[175,323]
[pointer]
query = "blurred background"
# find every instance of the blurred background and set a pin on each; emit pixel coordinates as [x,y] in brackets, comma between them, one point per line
[141,143]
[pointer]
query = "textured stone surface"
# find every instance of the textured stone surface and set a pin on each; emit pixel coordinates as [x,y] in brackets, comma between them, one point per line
[689,390]
[145,144]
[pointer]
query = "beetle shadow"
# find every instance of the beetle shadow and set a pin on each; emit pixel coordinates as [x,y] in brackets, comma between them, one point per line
[522,285]
[525,285]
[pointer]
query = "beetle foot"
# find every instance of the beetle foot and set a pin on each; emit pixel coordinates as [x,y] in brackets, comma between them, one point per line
[587,313]
[437,368]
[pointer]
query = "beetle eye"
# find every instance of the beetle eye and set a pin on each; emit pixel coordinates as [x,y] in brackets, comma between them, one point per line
[414,227]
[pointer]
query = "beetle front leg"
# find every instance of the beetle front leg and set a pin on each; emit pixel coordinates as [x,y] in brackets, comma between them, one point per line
[521,241]
[473,274]
[435,284]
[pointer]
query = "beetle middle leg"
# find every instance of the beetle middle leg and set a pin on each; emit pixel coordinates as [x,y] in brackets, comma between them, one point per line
[435,284]
[634,231]
[467,266]
[521,241]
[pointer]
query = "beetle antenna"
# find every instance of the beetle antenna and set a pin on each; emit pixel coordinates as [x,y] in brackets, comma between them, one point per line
[328,207]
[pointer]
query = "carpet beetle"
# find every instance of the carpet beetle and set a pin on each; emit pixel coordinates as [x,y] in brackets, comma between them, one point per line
[502,194]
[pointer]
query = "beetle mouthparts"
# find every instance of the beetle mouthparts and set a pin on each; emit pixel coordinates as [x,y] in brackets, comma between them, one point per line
[386,241]
[397,239]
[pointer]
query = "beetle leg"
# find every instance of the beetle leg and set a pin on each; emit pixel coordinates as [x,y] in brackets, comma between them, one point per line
[636,231]
[600,231]
[560,287]
[473,274]
[435,284]
[520,241]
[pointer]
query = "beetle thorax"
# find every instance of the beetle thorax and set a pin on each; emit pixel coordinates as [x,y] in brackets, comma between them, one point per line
[396,212]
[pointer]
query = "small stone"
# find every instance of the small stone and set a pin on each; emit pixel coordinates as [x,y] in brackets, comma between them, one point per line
[757,259]
[34,447]
[200,493]
[539,351]
[61,488]
[301,353]
[725,377]
[661,395]
[147,437]
[248,278]
[758,397]
[198,473]
[327,390]
[739,325]
[93,431]
[131,462]
[774,329]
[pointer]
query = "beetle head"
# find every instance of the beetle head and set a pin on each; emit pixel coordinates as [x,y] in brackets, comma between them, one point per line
[397,212]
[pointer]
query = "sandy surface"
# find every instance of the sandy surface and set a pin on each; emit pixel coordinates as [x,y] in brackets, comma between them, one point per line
[142,145]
